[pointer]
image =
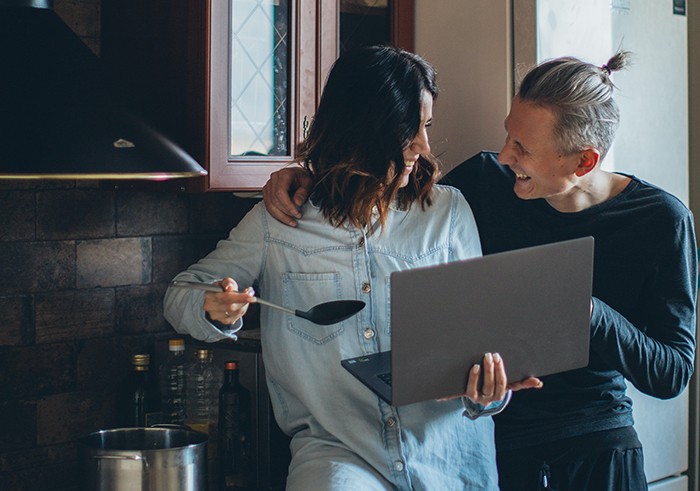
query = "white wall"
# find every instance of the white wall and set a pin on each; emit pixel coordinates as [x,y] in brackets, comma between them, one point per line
[652,141]
[468,41]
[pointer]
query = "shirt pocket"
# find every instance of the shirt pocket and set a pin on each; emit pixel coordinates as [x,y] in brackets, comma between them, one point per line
[301,291]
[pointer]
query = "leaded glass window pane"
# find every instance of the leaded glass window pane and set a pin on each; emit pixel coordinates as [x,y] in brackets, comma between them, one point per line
[259,78]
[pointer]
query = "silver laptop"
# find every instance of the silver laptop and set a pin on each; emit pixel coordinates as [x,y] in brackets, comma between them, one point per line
[530,305]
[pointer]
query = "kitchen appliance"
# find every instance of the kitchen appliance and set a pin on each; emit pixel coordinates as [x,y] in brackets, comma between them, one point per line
[60,115]
[144,459]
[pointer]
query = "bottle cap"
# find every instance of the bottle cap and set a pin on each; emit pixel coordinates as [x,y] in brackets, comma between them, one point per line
[141,359]
[231,365]
[202,354]
[176,344]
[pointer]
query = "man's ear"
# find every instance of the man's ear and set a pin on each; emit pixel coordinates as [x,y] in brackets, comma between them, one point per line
[588,159]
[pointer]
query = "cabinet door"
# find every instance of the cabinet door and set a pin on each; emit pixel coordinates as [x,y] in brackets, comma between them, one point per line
[274,88]
[268,61]
[235,82]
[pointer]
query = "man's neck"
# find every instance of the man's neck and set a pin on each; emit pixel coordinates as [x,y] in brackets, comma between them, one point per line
[596,187]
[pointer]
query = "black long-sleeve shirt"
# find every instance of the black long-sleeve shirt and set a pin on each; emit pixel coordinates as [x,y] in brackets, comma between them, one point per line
[644,289]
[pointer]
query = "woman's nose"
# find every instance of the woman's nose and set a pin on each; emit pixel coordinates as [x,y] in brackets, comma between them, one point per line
[420,143]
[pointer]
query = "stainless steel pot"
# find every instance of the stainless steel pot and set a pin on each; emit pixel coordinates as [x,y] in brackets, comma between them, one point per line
[144,459]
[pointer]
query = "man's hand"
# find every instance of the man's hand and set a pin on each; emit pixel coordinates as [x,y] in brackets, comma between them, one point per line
[290,181]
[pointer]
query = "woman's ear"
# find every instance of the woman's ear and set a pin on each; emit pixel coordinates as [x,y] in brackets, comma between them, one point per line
[588,159]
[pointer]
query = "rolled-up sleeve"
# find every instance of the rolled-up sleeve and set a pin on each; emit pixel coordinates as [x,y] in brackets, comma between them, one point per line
[239,256]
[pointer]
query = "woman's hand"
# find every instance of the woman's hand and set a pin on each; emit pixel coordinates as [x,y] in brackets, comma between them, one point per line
[495,382]
[229,305]
[277,191]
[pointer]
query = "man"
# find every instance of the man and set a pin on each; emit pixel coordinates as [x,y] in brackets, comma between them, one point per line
[576,432]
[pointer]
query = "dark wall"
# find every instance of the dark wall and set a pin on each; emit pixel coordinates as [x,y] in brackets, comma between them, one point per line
[85,267]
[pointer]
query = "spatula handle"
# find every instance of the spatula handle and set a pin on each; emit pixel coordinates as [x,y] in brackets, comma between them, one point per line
[216,288]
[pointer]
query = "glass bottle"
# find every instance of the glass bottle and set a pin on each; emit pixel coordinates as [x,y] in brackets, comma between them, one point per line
[234,432]
[172,383]
[202,382]
[138,401]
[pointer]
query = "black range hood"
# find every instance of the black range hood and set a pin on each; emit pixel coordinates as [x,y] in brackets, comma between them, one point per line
[60,116]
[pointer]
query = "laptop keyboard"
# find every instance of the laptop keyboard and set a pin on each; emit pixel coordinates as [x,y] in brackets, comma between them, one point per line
[386,377]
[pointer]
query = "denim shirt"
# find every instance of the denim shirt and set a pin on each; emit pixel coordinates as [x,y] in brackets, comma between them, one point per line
[426,445]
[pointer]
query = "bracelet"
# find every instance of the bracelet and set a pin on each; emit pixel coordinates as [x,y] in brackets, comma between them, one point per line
[474,410]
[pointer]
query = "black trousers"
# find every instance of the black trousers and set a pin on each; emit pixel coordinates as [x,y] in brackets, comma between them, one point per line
[610,460]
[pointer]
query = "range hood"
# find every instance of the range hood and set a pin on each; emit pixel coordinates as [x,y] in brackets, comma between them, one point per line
[60,117]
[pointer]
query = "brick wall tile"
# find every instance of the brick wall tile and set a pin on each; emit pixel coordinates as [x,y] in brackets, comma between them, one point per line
[17,324]
[230,210]
[171,254]
[75,213]
[66,417]
[61,477]
[113,262]
[175,253]
[30,267]
[140,309]
[17,222]
[19,430]
[35,184]
[28,458]
[141,213]
[75,314]
[33,371]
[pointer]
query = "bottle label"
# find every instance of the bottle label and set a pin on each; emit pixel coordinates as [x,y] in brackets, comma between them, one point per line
[174,394]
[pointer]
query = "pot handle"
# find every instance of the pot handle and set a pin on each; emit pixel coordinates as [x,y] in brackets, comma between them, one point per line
[171,426]
[119,457]
[136,458]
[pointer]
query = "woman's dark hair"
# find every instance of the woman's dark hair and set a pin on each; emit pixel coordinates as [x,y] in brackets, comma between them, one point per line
[368,114]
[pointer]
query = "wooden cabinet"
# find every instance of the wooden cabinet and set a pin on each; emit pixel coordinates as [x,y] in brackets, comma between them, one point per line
[236,82]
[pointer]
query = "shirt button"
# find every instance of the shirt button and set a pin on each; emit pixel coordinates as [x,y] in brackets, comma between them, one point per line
[369,333]
[398,465]
[361,242]
[366,287]
[391,422]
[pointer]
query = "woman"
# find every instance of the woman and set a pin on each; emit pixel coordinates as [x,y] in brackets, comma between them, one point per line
[374,210]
